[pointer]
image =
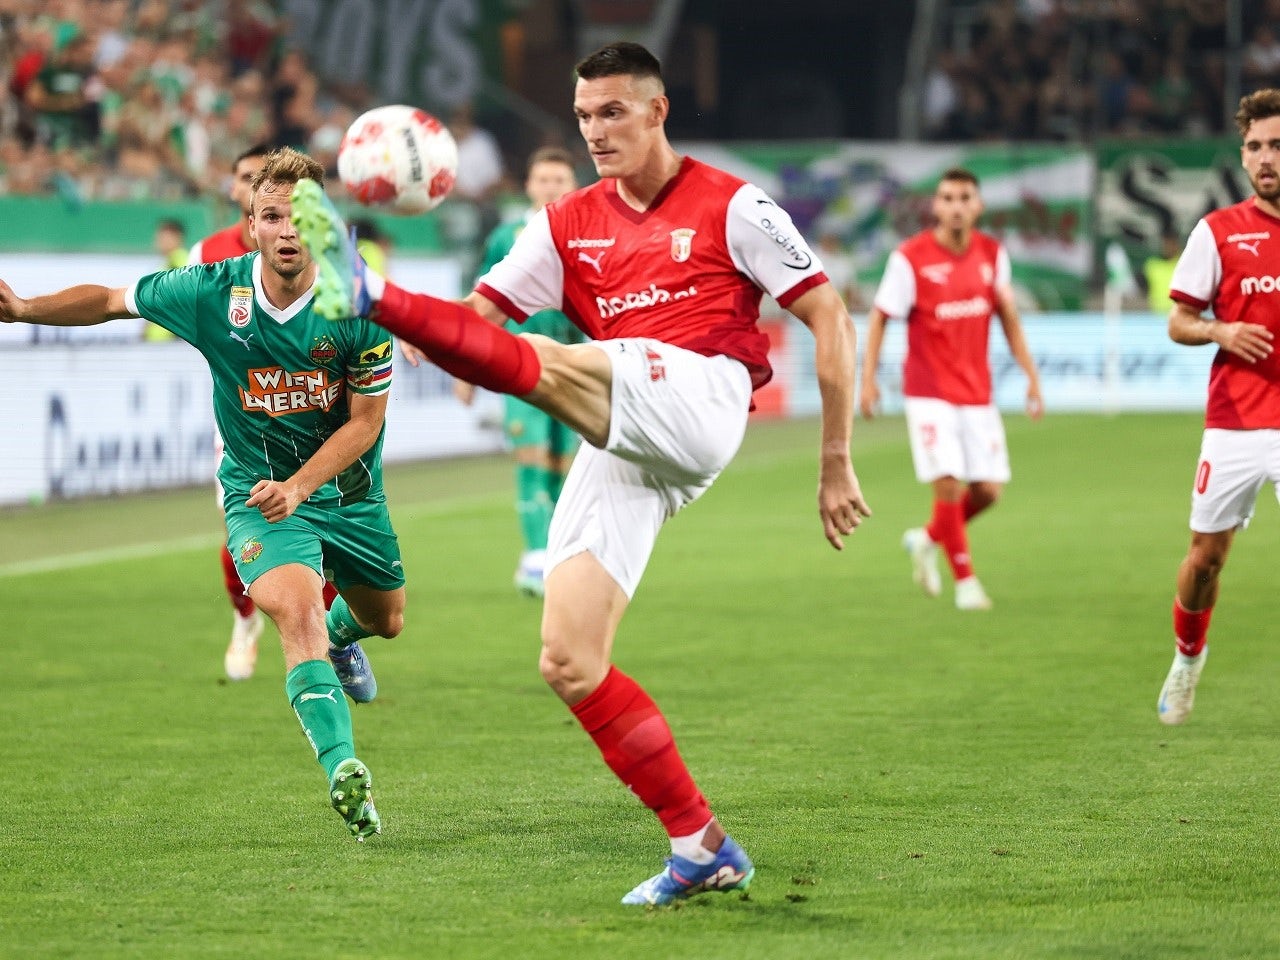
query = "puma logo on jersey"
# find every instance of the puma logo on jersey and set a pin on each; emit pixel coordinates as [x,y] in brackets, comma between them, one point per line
[936,272]
[1251,247]
[239,339]
[594,261]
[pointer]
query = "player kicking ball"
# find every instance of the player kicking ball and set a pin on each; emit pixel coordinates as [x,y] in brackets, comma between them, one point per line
[662,263]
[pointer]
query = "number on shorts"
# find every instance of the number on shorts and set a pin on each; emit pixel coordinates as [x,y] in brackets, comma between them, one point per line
[929,434]
[1202,476]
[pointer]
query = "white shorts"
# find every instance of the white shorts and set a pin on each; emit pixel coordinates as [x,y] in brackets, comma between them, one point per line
[1233,466]
[965,442]
[676,420]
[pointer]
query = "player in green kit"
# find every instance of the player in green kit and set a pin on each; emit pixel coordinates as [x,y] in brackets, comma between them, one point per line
[541,445]
[300,404]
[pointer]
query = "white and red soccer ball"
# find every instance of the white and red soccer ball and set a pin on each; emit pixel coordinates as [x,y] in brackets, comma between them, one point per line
[399,159]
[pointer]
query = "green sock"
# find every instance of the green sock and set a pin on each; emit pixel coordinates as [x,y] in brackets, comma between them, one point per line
[321,707]
[344,629]
[534,503]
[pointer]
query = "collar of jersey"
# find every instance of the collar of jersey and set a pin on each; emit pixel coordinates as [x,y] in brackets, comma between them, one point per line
[267,307]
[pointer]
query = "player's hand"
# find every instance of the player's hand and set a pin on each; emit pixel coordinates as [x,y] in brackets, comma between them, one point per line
[868,399]
[411,353]
[1035,403]
[11,305]
[1249,341]
[840,501]
[275,499]
[464,392]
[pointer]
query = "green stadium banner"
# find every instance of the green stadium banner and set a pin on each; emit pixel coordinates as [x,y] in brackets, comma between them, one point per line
[1148,187]
[872,195]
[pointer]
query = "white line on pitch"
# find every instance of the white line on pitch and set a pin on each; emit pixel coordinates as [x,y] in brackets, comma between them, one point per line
[140,551]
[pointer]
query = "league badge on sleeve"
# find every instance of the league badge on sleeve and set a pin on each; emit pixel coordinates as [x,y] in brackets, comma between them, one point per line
[240,309]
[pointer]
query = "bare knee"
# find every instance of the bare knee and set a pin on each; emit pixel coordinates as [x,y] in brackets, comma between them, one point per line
[387,624]
[568,671]
[1205,560]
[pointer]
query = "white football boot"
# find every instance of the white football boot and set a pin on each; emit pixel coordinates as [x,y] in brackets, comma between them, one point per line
[1178,694]
[971,596]
[242,651]
[924,561]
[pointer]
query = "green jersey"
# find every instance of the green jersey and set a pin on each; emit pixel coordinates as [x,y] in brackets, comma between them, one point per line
[549,323]
[281,378]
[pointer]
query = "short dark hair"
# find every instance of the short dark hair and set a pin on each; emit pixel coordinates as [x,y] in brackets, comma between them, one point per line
[619,59]
[1258,105]
[257,150]
[960,175]
[550,155]
[172,225]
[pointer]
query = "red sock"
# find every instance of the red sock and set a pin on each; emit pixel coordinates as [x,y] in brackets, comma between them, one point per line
[460,341]
[330,594]
[235,588]
[636,743]
[1191,627]
[947,528]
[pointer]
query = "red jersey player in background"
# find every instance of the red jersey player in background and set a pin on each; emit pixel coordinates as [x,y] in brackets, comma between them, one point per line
[663,263]
[947,282]
[1229,265]
[235,241]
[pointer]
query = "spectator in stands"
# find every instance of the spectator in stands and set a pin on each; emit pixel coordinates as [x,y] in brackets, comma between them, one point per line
[1261,67]
[65,98]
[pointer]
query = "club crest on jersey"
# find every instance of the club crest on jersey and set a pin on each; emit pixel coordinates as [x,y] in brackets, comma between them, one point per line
[250,551]
[323,350]
[240,309]
[988,274]
[682,244]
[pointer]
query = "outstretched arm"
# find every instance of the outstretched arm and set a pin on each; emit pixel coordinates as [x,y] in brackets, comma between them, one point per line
[80,306]
[1007,310]
[840,501]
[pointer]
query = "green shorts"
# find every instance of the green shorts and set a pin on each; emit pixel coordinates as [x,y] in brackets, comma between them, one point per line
[527,426]
[351,546]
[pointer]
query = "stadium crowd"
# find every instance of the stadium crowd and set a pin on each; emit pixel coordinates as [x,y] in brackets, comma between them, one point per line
[120,99]
[1073,70]
[113,99]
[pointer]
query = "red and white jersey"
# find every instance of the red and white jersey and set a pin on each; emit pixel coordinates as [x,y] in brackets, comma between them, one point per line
[1232,263]
[947,299]
[688,271]
[220,246]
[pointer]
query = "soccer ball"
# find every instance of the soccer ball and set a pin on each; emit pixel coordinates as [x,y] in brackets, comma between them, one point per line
[399,159]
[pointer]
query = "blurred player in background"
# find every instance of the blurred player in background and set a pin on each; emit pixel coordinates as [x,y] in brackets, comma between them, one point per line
[946,283]
[1228,265]
[235,241]
[542,446]
[300,403]
[170,241]
[663,262]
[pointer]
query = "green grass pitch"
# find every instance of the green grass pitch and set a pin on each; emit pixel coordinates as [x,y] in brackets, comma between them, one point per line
[912,782]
